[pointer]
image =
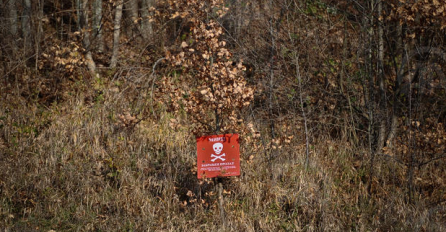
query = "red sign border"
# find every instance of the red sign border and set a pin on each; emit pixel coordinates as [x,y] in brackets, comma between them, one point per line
[236,156]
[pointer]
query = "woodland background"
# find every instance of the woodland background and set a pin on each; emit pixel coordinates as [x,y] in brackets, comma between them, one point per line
[341,107]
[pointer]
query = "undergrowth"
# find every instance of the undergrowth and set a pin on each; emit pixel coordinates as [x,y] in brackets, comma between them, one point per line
[94,163]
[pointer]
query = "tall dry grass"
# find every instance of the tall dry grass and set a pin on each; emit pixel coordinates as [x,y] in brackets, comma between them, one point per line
[88,164]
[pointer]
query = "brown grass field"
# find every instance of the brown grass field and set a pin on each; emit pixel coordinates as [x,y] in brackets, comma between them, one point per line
[362,93]
[77,166]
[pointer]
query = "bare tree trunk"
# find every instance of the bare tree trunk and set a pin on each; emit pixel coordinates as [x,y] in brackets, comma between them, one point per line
[341,84]
[271,80]
[26,25]
[307,137]
[382,126]
[371,96]
[97,25]
[131,7]
[400,48]
[83,24]
[116,33]
[393,129]
[146,25]
[13,18]
[39,32]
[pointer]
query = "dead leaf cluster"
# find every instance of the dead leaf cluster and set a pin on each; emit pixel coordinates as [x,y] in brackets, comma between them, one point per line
[215,84]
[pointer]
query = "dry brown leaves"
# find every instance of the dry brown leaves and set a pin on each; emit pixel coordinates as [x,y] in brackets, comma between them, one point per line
[68,57]
[210,83]
[426,139]
[420,13]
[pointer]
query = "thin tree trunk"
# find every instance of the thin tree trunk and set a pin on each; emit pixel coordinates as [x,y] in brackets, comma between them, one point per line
[116,34]
[13,18]
[26,25]
[146,25]
[400,48]
[39,32]
[131,7]
[382,126]
[271,80]
[371,95]
[97,25]
[307,137]
[341,84]
[83,24]
[12,8]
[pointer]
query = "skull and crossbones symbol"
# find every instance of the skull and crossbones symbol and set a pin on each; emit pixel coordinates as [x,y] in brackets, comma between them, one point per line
[218,147]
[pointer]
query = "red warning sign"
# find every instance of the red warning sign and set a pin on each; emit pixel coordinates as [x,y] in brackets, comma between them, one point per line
[218,155]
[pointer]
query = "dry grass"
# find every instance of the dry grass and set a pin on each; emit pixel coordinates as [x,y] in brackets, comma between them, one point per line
[74,166]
